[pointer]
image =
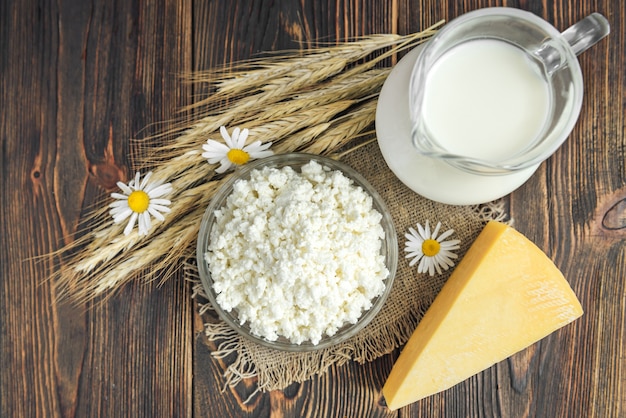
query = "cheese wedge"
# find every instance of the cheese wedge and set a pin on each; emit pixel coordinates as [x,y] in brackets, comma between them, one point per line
[504,295]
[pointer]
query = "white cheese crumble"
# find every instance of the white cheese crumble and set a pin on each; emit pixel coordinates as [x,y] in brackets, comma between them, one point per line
[297,255]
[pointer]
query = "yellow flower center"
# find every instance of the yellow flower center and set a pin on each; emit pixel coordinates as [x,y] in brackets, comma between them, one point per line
[430,247]
[138,201]
[238,156]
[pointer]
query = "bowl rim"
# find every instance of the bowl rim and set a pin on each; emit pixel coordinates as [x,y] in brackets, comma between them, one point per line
[389,248]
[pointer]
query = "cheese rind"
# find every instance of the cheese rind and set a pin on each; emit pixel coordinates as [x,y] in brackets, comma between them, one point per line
[505,295]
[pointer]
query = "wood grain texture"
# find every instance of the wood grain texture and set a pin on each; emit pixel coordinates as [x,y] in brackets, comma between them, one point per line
[79,79]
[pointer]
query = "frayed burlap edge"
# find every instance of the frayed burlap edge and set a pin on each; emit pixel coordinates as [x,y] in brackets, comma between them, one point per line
[411,295]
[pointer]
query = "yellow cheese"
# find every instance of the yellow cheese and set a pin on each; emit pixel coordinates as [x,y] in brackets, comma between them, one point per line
[504,295]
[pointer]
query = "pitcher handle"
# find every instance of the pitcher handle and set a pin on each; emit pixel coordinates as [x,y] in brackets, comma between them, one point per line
[584,34]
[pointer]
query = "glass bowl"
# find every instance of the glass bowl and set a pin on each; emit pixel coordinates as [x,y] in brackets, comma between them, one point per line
[389,249]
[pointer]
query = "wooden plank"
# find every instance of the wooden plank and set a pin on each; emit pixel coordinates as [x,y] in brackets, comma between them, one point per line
[78,81]
[351,390]
[540,380]
[578,369]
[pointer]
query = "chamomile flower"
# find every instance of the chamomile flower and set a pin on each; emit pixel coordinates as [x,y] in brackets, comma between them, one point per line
[138,201]
[234,151]
[430,249]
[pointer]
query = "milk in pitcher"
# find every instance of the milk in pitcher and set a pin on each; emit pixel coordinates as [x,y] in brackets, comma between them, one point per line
[485,99]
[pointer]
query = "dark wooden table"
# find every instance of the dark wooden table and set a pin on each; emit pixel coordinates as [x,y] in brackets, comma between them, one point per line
[79,78]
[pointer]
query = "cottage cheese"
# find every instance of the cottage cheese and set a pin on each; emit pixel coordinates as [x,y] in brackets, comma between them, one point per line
[297,255]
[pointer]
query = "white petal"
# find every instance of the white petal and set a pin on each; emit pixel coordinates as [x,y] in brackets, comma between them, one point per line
[120,196]
[423,266]
[412,263]
[151,186]
[124,188]
[144,223]
[429,266]
[413,246]
[444,254]
[451,245]
[436,266]
[147,221]
[436,231]
[225,165]
[213,155]
[160,208]
[256,147]
[156,213]
[145,180]
[261,154]
[226,137]
[235,137]
[415,251]
[446,234]
[136,180]
[427,231]
[160,190]
[450,256]
[445,262]
[119,204]
[160,202]
[215,147]
[414,238]
[416,257]
[241,141]
[131,223]
[422,231]
[214,160]
[453,256]
[120,214]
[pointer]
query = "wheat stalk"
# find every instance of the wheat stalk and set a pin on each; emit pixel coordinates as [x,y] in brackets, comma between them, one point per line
[345,129]
[298,68]
[250,87]
[315,101]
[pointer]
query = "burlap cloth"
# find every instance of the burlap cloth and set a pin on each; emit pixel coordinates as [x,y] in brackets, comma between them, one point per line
[411,295]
